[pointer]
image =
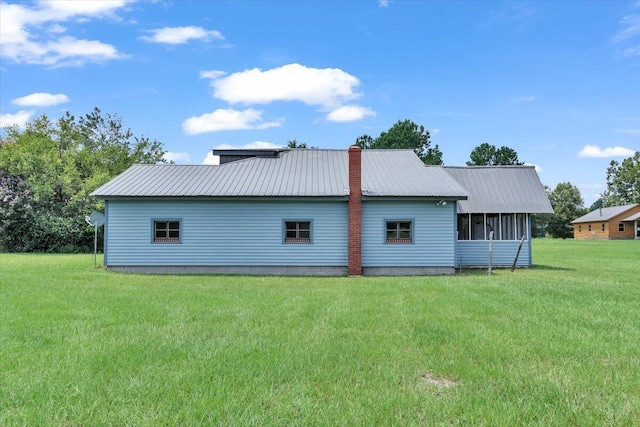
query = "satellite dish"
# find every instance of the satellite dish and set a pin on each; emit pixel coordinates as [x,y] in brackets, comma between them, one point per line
[97,219]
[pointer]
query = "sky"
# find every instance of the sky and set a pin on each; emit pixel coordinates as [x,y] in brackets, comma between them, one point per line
[558,81]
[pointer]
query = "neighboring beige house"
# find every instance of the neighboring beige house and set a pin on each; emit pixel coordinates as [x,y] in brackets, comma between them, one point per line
[616,222]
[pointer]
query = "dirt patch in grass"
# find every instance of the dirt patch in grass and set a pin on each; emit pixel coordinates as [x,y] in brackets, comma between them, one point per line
[436,381]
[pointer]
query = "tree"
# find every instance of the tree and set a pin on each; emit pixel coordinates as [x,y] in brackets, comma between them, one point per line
[488,155]
[567,204]
[61,164]
[405,135]
[623,182]
[16,212]
[295,144]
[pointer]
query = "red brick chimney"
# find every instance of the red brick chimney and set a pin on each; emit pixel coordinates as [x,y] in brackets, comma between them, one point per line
[355,212]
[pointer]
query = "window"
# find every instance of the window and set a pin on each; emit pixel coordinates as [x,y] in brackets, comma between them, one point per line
[508,227]
[297,231]
[463,226]
[621,226]
[580,228]
[477,226]
[589,227]
[603,226]
[521,225]
[399,232]
[493,224]
[166,231]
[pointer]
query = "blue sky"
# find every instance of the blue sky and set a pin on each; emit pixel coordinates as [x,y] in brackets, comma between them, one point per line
[557,81]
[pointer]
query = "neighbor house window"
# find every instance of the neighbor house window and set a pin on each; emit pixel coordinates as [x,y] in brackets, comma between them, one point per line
[621,226]
[477,226]
[521,226]
[297,231]
[508,225]
[166,231]
[580,228]
[399,232]
[589,227]
[602,226]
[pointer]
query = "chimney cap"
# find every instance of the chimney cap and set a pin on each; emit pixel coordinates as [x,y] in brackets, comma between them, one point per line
[355,148]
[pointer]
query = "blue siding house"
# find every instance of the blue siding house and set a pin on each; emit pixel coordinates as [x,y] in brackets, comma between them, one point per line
[315,212]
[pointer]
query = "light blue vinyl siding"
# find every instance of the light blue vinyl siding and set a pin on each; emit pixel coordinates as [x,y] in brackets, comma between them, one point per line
[475,253]
[433,231]
[226,233]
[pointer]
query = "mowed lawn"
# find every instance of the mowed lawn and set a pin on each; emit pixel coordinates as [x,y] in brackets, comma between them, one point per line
[557,344]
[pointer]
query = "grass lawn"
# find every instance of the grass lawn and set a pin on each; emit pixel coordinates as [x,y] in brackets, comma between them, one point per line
[557,344]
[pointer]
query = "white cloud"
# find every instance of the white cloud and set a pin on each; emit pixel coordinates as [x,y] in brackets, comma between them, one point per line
[628,131]
[326,87]
[538,168]
[628,36]
[590,151]
[433,132]
[383,3]
[41,99]
[630,28]
[524,98]
[20,119]
[226,119]
[25,36]
[210,159]
[349,113]
[181,35]
[211,74]
[177,157]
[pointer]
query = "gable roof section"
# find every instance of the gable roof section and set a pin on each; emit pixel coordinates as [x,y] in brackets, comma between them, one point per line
[295,173]
[605,214]
[400,173]
[501,189]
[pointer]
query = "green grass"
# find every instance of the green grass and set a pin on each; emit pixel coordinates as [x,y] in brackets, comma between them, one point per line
[557,344]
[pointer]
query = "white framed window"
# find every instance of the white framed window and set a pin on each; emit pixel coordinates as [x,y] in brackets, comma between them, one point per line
[166,231]
[297,231]
[399,231]
[621,226]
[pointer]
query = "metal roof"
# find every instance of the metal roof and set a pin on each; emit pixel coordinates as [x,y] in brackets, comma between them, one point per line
[501,189]
[632,217]
[400,173]
[321,173]
[605,214]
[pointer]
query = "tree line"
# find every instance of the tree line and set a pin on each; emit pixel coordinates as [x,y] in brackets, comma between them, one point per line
[48,170]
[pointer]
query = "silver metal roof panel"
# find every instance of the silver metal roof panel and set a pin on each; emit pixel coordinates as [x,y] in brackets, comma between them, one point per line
[501,189]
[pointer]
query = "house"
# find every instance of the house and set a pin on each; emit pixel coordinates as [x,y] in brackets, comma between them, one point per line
[615,222]
[316,212]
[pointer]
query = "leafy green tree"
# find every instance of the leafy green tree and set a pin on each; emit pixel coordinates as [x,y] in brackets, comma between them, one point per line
[596,205]
[61,164]
[489,155]
[568,205]
[405,134]
[295,144]
[623,182]
[16,212]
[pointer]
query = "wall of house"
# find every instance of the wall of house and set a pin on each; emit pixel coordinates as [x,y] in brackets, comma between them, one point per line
[227,233]
[475,253]
[432,247]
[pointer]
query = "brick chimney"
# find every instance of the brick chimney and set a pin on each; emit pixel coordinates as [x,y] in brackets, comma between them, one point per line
[355,212]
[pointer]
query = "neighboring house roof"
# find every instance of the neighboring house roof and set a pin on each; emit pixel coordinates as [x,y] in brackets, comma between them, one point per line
[632,217]
[605,214]
[501,189]
[294,173]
